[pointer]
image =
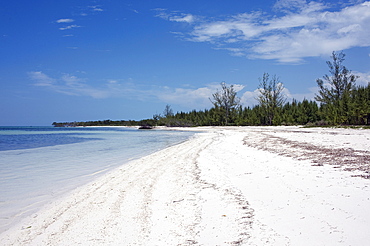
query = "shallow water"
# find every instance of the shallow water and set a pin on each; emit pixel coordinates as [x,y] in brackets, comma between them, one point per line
[39,164]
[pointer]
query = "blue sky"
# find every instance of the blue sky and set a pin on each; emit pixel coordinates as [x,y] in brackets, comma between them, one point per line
[126,59]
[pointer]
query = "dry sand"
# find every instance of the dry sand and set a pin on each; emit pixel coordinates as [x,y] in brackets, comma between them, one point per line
[226,186]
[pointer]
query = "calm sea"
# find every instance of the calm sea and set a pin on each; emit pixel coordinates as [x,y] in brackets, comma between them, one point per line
[39,164]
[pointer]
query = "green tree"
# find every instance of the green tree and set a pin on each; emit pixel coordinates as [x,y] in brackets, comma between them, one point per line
[271,97]
[360,105]
[167,112]
[225,101]
[335,89]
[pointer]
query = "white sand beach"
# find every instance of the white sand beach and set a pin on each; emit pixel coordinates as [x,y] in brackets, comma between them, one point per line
[225,186]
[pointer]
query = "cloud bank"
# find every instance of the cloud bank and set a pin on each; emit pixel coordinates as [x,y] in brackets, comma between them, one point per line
[191,98]
[186,97]
[70,85]
[299,29]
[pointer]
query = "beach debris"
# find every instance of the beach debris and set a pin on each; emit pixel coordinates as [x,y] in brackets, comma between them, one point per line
[145,127]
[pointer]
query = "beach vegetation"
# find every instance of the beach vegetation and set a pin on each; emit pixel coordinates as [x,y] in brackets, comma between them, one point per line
[226,101]
[335,90]
[271,99]
[167,112]
[339,102]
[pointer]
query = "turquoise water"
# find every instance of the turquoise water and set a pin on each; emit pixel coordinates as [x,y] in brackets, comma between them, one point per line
[39,164]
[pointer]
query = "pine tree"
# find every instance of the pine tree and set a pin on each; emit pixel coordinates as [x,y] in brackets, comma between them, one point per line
[334,89]
[226,101]
[270,97]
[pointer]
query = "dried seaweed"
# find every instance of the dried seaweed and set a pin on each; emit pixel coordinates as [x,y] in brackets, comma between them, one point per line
[347,159]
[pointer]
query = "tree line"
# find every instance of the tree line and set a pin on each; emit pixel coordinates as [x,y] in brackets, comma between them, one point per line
[105,123]
[338,102]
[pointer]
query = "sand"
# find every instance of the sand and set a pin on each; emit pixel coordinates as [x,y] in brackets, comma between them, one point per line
[225,186]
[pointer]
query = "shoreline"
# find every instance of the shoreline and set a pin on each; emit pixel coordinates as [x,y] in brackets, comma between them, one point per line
[225,186]
[32,178]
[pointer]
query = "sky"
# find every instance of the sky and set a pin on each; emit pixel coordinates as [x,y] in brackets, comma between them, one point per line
[69,60]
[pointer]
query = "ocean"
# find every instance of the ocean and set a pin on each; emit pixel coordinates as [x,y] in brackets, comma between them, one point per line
[39,164]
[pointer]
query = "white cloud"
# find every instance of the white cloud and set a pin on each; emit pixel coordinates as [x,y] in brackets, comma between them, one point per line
[73,81]
[69,27]
[70,85]
[302,29]
[191,98]
[41,79]
[65,20]
[289,5]
[364,78]
[249,98]
[175,16]
[186,97]
[199,98]
[183,18]
[96,8]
